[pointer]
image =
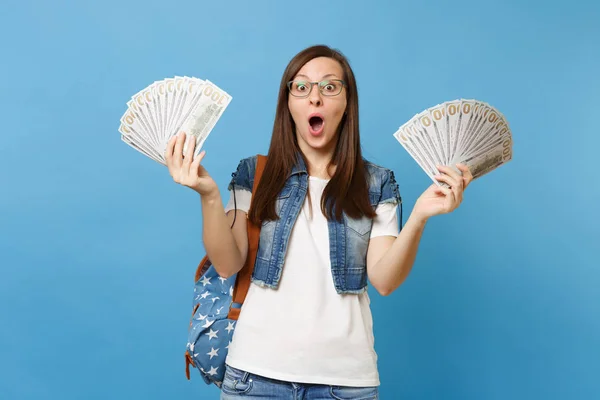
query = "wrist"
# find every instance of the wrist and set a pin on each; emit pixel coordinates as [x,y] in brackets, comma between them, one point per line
[417,219]
[210,198]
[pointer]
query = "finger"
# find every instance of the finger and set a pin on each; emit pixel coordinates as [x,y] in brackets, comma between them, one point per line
[457,191]
[458,195]
[449,199]
[195,166]
[447,179]
[451,172]
[455,180]
[178,152]
[463,168]
[444,191]
[466,173]
[189,153]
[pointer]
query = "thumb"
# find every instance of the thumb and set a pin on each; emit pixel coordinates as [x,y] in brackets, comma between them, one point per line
[195,166]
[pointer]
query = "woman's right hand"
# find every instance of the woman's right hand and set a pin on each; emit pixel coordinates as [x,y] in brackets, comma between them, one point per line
[186,171]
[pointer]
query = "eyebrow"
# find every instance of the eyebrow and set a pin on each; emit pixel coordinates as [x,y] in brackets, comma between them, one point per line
[324,76]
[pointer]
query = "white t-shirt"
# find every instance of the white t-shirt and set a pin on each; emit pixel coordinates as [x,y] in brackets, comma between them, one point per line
[304,331]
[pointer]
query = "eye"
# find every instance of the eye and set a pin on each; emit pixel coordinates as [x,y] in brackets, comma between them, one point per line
[330,86]
[300,86]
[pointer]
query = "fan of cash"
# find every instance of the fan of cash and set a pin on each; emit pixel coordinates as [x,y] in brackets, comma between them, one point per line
[167,107]
[463,131]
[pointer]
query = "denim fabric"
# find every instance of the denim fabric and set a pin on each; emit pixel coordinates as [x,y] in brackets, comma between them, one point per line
[240,384]
[348,239]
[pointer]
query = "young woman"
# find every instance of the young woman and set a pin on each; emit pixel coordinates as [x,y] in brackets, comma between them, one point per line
[328,225]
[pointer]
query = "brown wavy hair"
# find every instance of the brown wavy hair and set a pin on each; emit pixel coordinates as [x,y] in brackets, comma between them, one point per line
[348,188]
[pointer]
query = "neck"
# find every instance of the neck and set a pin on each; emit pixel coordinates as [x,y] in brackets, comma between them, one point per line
[318,160]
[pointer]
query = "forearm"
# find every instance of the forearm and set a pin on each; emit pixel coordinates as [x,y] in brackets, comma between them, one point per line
[394,266]
[219,241]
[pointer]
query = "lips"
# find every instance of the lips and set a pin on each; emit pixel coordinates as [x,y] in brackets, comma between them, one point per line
[316,123]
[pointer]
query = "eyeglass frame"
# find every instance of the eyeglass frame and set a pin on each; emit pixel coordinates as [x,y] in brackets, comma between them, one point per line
[289,86]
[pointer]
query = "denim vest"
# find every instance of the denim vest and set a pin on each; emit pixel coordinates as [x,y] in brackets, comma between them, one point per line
[348,239]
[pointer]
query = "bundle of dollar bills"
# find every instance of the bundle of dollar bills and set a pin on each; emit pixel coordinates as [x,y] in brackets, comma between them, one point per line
[168,107]
[463,131]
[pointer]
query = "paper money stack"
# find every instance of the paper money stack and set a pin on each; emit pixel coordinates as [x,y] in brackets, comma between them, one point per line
[167,107]
[460,131]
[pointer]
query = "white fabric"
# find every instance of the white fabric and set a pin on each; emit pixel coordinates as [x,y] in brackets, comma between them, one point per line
[304,331]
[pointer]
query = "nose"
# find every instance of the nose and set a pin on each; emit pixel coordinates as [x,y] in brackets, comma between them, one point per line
[315,96]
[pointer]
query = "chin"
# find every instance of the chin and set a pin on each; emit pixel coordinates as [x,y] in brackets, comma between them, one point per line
[318,143]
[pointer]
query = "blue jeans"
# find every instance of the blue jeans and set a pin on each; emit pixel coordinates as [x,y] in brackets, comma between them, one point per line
[239,384]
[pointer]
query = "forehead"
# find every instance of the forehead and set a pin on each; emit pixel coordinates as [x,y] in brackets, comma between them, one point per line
[319,67]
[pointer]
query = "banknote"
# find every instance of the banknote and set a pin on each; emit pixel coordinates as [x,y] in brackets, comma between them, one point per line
[209,104]
[403,136]
[465,131]
[438,123]
[167,107]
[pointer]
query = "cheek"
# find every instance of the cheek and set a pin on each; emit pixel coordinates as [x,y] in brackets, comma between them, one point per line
[339,110]
[293,111]
[343,108]
[341,105]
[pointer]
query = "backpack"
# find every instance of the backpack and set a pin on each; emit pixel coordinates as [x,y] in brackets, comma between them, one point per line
[216,307]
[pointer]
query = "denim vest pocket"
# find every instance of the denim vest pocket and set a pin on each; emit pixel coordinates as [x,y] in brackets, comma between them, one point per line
[286,191]
[271,228]
[284,194]
[354,249]
[363,225]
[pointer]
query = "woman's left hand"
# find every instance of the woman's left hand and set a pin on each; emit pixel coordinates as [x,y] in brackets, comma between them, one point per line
[440,200]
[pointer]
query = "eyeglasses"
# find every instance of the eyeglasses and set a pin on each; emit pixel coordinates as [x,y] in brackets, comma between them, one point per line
[329,87]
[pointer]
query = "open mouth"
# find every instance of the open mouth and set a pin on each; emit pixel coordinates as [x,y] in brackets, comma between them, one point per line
[316,123]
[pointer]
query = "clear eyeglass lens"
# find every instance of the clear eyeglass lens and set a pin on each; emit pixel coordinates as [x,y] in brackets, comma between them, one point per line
[327,88]
[300,88]
[330,88]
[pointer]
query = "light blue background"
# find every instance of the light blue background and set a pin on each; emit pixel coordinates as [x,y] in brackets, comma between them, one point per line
[99,247]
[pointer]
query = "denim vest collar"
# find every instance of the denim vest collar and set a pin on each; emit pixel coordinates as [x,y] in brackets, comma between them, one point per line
[299,166]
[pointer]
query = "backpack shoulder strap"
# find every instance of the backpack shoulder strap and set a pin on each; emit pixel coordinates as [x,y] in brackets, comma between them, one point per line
[242,282]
